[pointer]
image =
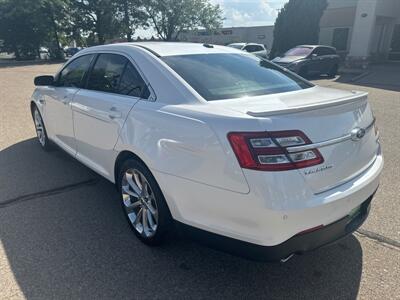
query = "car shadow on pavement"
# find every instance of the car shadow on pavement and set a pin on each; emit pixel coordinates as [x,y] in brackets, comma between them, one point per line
[65,236]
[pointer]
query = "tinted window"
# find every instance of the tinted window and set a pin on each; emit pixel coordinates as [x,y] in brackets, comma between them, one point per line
[222,75]
[253,48]
[132,83]
[323,51]
[106,73]
[299,51]
[72,75]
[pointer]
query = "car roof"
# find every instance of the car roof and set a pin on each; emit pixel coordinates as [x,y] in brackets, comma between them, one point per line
[170,48]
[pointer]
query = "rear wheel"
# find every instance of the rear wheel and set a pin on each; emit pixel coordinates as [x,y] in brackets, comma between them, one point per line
[143,203]
[40,129]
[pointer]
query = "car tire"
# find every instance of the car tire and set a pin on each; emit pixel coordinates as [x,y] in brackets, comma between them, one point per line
[40,128]
[332,73]
[303,72]
[143,203]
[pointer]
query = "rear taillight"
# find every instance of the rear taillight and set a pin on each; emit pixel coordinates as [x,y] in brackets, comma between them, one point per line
[267,151]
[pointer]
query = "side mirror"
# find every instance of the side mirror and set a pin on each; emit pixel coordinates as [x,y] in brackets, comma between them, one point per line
[314,56]
[44,80]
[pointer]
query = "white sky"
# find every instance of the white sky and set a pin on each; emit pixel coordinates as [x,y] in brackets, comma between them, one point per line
[240,13]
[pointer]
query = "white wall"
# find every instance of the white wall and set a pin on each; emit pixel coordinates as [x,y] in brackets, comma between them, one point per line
[255,34]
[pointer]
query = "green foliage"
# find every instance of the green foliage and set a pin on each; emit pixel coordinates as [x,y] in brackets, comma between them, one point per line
[28,25]
[131,14]
[297,23]
[171,17]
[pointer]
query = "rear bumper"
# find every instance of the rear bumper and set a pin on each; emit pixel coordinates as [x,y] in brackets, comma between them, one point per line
[265,217]
[298,244]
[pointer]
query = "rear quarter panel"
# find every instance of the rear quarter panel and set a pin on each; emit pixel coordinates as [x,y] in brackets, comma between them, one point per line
[180,145]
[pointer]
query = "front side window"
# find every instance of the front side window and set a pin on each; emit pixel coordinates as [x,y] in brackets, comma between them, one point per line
[73,74]
[106,73]
[225,75]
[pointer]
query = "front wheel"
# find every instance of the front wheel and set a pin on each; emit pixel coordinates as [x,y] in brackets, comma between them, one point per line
[303,72]
[41,132]
[143,203]
[333,71]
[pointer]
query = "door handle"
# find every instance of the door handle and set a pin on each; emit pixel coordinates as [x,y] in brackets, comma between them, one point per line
[114,113]
[65,100]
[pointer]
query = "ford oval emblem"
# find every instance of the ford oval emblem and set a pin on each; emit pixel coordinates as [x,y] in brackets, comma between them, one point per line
[357,134]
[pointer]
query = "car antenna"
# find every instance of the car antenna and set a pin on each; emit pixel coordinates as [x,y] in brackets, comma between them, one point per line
[208,45]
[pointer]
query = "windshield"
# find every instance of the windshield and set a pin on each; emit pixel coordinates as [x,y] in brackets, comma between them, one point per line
[225,76]
[236,46]
[299,51]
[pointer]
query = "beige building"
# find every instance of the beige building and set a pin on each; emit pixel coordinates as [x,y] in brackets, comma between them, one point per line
[223,36]
[362,29]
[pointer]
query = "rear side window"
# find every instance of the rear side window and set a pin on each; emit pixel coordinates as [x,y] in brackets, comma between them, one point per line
[106,73]
[225,75]
[132,83]
[324,51]
[253,48]
[73,74]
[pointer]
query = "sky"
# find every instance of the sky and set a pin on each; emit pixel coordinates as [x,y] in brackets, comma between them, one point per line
[240,13]
[249,12]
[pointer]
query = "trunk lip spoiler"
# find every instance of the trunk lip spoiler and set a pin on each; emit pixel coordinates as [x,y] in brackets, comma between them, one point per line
[327,142]
[358,96]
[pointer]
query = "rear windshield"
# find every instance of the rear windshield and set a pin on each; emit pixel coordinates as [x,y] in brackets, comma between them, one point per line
[226,76]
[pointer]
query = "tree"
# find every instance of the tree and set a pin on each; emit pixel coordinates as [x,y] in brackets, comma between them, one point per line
[27,25]
[171,17]
[96,17]
[131,15]
[20,27]
[297,23]
[56,12]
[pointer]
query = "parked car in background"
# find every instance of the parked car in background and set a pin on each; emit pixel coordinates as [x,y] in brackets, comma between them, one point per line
[256,49]
[44,53]
[225,144]
[308,60]
[72,51]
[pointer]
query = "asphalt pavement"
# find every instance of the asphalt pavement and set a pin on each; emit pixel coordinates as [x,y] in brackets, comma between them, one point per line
[63,234]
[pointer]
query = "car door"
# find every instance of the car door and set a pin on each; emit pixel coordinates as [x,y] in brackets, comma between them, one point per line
[113,87]
[57,109]
[331,59]
[315,64]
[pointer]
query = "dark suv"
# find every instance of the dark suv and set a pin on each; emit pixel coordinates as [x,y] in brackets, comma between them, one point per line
[310,60]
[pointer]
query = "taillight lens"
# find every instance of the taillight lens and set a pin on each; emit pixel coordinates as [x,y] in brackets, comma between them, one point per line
[267,151]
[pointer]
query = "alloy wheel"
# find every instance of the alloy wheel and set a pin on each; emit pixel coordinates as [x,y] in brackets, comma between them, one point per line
[39,128]
[139,203]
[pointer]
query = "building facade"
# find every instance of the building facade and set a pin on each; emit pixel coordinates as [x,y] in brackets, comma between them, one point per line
[362,30]
[255,34]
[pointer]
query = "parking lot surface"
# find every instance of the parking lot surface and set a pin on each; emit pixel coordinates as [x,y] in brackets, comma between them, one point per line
[63,234]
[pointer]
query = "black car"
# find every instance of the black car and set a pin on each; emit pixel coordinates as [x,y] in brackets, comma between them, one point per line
[308,60]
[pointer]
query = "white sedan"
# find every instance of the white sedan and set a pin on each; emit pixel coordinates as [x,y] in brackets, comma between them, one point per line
[234,149]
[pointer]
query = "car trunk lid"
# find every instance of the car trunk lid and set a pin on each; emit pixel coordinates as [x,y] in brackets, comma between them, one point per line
[331,119]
